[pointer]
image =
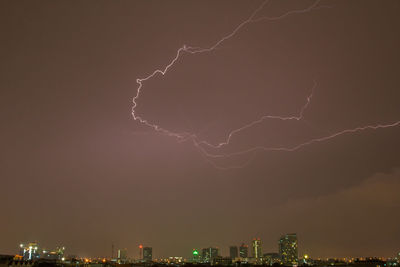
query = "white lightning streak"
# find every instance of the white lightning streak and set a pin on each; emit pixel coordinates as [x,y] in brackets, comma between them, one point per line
[201,144]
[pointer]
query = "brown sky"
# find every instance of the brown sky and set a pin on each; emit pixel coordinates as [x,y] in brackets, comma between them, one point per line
[77,170]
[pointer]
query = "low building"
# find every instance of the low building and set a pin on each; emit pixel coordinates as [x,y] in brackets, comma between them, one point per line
[224,261]
[271,258]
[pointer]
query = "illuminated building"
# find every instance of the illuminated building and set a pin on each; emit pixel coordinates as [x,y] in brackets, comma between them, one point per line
[175,260]
[30,251]
[256,249]
[196,256]
[122,255]
[224,261]
[288,249]
[271,258]
[141,251]
[208,254]
[369,262]
[392,262]
[306,260]
[244,251]
[147,254]
[56,254]
[233,252]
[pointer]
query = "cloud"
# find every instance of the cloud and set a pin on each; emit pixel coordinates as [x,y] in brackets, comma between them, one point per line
[363,219]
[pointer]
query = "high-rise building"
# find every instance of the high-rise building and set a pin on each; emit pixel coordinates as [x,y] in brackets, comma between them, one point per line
[122,255]
[208,254]
[147,254]
[29,251]
[256,249]
[140,252]
[288,249]
[196,256]
[233,252]
[244,251]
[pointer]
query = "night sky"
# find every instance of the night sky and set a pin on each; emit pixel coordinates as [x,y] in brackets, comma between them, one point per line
[77,170]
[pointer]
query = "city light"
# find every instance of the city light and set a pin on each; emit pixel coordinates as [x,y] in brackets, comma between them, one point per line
[286,256]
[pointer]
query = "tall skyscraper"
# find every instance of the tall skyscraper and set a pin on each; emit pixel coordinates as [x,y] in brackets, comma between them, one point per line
[244,251]
[147,254]
[256,249]
[208,254]
[233,252]
[288,249]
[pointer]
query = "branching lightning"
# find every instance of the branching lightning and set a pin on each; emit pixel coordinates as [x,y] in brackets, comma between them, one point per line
[203,146]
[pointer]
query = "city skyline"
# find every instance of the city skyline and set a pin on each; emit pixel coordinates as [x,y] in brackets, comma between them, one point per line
[286,247]
[180,125]
[32,254]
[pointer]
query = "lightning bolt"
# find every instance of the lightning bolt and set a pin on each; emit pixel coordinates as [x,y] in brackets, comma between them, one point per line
[204,146]
[307,143]
[195,50]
